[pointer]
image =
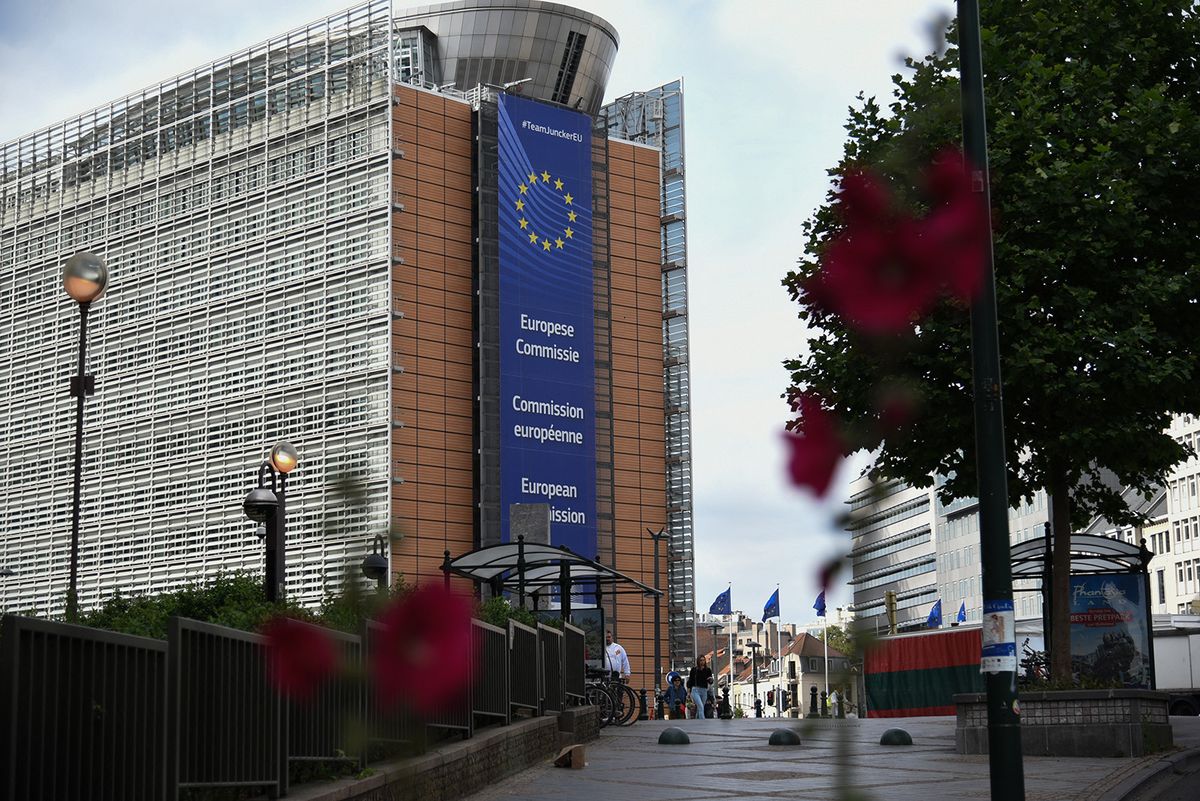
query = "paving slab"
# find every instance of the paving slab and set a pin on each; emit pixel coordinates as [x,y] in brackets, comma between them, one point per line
[730,759]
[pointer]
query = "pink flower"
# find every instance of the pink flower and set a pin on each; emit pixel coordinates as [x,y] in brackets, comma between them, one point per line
[816,453]
[423,653]
[877,279]
[887,268]
[300,657]
[956,226]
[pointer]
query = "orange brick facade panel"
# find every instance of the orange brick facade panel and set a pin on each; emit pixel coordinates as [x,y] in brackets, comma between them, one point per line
[432,345]
[639,433]
[432,392]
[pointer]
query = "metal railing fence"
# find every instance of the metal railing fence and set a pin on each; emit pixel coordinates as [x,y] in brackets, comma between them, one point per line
[525,667]
[224,721]
[92,715]
[321,727]
[551,647]
[390,725]
[489,650]
[574,667]
[81,713]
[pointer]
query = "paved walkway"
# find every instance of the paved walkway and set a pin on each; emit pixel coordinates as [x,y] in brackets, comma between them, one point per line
[730,759]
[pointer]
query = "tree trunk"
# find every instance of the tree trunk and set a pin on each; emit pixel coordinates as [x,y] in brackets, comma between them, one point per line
[1060,612]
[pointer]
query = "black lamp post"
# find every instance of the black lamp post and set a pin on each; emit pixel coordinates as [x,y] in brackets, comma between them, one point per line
[268,506]
[1006,769]
[375,564]
[657,537]
[754,646]
[85,276]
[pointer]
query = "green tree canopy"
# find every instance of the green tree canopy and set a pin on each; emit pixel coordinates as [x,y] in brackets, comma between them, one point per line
[1094,141]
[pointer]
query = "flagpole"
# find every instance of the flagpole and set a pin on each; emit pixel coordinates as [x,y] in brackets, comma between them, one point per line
[825,639]
[778,660]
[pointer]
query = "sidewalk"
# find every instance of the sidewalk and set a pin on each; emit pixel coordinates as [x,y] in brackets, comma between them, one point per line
[731,759]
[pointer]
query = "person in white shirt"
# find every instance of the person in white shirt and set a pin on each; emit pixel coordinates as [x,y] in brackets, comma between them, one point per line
[615,659]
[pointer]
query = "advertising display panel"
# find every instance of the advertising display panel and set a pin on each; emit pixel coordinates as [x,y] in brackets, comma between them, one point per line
[547,361]
[1109,640]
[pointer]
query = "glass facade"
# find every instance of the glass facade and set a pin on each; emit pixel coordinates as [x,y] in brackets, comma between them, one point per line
[242,207]
[655,117]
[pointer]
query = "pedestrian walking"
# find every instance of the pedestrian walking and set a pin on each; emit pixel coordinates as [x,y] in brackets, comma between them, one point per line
[699,680]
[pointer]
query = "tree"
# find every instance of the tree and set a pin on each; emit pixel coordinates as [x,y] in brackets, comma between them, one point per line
[838,640]
[1094,140]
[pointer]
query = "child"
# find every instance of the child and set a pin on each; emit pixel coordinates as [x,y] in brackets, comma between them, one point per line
[675,699]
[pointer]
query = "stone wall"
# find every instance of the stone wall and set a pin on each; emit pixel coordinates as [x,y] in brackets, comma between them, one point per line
[1091,723]
[456,769]
[579,724]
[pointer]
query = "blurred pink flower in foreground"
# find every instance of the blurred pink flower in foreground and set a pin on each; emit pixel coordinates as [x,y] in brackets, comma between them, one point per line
[423,653]
[300,657]
[887,268]
[816,452]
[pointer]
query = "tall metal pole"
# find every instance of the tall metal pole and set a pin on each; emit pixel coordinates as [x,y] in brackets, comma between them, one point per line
[999,660]
[80,388]
[657,537]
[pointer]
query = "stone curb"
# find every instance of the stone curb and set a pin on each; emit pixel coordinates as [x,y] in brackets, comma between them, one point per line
[1177,763]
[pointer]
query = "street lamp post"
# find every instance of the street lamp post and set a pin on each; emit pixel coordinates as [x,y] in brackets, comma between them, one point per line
[85,277]
[375,564]
[999,660]
[657,537]
[269,506]
[754,646]
[716,684]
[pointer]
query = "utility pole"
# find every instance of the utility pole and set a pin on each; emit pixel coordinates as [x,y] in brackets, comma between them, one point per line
[999,652]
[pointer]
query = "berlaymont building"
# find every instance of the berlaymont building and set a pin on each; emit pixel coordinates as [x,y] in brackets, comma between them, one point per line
[416,244]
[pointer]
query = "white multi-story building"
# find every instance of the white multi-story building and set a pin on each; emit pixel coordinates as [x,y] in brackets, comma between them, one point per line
[908,542]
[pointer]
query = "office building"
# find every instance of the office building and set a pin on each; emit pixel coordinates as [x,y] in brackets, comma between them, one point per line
[414,244]
[907,542]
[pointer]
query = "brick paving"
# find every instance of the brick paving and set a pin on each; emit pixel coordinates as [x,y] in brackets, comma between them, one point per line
[730,759]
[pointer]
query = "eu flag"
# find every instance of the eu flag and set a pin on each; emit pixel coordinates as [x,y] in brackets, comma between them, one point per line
[962,613]
[820,604]
[772,607]
[935,615]
[722,606]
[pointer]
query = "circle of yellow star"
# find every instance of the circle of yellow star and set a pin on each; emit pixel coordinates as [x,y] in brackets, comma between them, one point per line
[533,238]
[545,177]
[545,244]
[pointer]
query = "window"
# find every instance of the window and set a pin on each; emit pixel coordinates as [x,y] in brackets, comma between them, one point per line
[1162,587]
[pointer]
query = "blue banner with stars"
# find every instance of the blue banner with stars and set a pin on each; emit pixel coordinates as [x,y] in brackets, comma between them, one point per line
[547,358]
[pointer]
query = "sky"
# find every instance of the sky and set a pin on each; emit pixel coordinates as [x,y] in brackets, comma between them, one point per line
[767,85]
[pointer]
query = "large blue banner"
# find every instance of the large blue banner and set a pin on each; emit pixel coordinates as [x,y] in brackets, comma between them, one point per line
[1109,639]
[547,362]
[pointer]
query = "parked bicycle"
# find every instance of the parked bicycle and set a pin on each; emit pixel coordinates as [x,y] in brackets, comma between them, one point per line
[624,699]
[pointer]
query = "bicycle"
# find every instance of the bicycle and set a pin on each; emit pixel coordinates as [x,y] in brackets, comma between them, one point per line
[598,696]
[625,700]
